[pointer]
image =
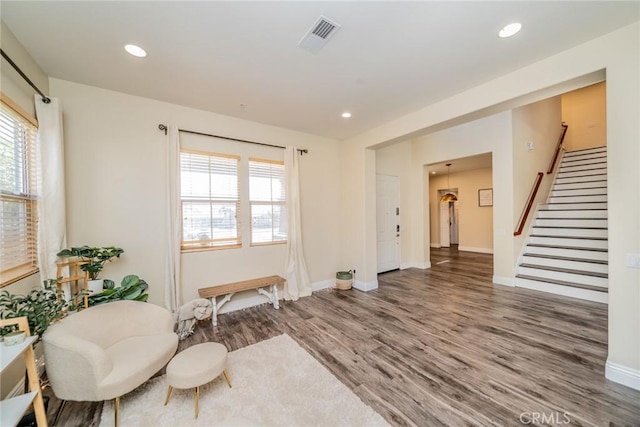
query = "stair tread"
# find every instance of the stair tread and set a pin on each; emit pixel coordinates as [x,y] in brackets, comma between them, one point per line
[575,248]
[570,203]
[565,270]
[566,258]
[571,228]
[563,283]
[577,189]
[569,237]
[554,218]
[581,195]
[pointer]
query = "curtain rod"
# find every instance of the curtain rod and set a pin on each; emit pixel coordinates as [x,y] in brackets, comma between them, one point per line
[45,98]
[164,128]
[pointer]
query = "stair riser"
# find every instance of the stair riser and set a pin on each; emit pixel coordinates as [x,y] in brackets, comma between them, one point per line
[570,180]
[567,291]
[571,232]
[574,206]
[579,185]
[590,172]
[571,265]
[573,253]
[572,222]
[567,277]
[588,152]
[579,192]
[563,241]
[589,214]
[579,199]
[591,158]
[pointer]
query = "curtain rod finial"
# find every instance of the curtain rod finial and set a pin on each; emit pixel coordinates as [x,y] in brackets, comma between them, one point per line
[163,127]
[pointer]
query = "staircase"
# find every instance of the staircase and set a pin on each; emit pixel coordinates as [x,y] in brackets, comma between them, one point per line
[566,249]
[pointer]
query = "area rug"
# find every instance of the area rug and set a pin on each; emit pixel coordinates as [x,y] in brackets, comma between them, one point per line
[275,383]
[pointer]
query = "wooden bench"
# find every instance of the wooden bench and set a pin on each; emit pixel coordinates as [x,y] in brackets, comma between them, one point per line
[230,289]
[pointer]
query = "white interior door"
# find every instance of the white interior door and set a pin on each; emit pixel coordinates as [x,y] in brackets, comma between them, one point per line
[453,218]
[444,225]
[388,222]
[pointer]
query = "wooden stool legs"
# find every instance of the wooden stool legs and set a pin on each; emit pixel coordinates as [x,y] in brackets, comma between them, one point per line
[117,410]
[226,377]
[169,390]
[196,397]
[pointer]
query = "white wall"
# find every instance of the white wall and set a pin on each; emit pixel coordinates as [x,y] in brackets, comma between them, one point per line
[539,123]
[115,174]
[619,54]
[585,111]
[11,84]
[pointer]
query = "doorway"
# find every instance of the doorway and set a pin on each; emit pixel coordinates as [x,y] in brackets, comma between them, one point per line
[449,214]
[388,222]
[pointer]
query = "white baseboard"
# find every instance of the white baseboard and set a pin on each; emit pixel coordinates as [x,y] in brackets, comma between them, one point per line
[365,286]
[251,298]
[504,281]
[622,375]
[420,265]
[323,284]
[472,249]
[435,245]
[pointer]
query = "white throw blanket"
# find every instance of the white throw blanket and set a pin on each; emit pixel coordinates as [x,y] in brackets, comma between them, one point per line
[189,313]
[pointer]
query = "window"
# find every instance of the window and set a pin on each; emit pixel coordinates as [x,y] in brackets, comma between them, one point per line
[210,194]
[267,200]
[18,196]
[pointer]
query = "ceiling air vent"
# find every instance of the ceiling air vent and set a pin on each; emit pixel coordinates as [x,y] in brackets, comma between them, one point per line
[319,34]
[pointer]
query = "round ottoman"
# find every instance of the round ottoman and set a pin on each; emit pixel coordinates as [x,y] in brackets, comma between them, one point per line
[196,366]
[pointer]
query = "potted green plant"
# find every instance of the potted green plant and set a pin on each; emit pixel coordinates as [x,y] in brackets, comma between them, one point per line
[42,306]
[95,258]
[131,288]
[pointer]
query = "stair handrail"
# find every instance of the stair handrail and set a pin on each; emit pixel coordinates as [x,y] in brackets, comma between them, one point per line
[558,148]
[527,209]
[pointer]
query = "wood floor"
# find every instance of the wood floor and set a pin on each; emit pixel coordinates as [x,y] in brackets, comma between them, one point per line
[444,347]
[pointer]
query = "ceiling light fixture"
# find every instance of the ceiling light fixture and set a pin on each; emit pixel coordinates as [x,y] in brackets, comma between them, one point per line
[449,196]
[510,30]
[135,50]
[346,115]
[433,172]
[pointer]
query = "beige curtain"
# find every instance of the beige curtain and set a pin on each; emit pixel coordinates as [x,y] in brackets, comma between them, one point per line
[173,288]
[295,271]
[51,202]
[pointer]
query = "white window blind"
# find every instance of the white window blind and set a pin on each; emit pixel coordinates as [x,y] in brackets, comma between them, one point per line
[267,200]
[18,196]
[210,197]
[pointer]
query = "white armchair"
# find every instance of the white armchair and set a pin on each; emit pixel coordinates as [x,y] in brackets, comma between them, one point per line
[106,351]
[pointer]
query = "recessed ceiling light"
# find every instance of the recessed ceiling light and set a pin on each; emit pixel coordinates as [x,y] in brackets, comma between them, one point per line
[135,50]
[346,115]
[433,172]
[510,30]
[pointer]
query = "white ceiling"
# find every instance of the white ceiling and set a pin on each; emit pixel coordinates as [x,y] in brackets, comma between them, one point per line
[389,58]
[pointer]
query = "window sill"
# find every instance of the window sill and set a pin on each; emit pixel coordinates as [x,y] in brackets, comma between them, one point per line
[13,275]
